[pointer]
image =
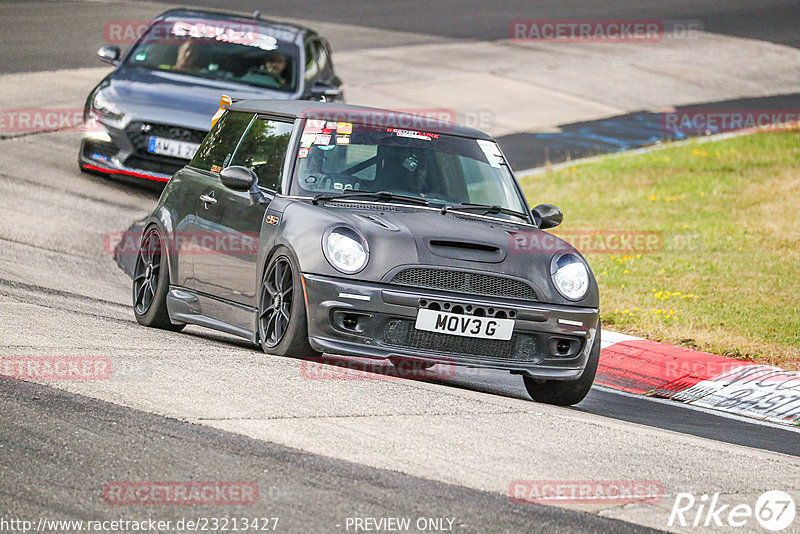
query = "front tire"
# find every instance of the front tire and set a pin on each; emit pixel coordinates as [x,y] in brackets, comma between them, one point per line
[566,392]
[151,283]
[282,322]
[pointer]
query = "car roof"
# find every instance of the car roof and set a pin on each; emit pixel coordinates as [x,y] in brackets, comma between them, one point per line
[368,116]
[291,31]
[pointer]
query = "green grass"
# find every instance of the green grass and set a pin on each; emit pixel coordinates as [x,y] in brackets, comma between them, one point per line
[725,277]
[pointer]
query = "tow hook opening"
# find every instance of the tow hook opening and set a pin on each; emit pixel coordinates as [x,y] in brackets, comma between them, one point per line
[563,347]
[352,322]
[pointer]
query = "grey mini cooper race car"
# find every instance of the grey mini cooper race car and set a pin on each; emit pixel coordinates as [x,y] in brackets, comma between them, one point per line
[311,227]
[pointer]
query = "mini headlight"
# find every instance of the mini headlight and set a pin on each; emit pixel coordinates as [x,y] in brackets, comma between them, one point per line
[570,276]
[346,250]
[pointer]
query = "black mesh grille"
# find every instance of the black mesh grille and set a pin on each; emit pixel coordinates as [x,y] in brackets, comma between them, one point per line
[526,348]
[167,166]
[464,282]
[139,134]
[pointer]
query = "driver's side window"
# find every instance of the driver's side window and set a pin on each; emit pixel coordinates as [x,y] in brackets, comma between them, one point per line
[263,150]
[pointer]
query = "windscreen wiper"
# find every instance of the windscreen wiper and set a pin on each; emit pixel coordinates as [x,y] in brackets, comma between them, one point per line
[381,196]
[485,208]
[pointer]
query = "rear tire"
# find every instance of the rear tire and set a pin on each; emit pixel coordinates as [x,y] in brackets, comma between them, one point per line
[151,283]
[282,321]
[566,392]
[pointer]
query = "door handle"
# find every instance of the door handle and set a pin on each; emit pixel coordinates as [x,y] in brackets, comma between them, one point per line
[208,199]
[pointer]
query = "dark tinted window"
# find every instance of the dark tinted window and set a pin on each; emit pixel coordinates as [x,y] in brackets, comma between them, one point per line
[442,169]
[263,149]
[218,146]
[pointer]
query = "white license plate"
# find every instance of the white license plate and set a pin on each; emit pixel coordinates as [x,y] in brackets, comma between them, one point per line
[464,325]
[171,147]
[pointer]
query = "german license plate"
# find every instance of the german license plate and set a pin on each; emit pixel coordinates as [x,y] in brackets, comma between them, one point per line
[171,147]
[464,325]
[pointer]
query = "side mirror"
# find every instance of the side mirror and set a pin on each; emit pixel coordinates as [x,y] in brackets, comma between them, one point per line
[109,54]
[325,92]
[238,178]
[243,179]
[547,216]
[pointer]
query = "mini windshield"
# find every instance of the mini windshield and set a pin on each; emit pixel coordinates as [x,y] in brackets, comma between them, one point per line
[219,50]
[445,170]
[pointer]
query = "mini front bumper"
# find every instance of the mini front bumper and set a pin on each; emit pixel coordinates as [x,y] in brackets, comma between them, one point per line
[377,321]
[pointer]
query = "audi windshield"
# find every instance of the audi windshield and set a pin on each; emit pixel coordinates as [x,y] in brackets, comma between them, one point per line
[219,50]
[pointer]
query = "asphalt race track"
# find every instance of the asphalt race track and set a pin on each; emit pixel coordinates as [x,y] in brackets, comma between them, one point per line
[200,405]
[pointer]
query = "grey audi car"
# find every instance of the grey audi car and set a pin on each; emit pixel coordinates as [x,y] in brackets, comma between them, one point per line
[312,227]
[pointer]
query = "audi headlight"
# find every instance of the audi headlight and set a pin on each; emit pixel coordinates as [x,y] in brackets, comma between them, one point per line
[570,276]
[103,108]
[346,250]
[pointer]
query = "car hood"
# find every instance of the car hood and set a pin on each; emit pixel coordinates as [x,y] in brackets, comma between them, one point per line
[400,236]
[174,98]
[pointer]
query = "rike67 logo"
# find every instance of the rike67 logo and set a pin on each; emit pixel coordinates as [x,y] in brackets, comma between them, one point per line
[774,510]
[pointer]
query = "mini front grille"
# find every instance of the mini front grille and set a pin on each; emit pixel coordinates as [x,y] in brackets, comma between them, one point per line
[139,134]
[464,282]
[526,348]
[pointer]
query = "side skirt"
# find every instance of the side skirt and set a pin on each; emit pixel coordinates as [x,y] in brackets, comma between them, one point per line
[187,306]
